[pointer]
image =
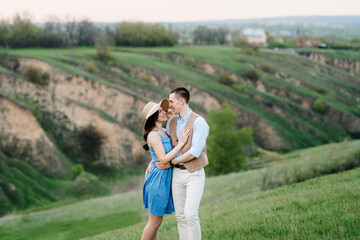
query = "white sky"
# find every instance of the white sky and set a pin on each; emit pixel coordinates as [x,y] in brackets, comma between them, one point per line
[173,11]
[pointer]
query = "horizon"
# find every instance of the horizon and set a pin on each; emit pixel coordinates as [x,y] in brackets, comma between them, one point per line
[186,21]
[184,11]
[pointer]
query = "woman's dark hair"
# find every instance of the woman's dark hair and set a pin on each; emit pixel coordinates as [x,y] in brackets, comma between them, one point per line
[182,93]
[149,125]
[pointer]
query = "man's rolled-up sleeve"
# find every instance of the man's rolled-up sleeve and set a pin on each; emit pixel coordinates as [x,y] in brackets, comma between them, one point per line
[200,133]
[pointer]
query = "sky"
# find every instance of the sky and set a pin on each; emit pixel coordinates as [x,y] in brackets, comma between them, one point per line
[175,10]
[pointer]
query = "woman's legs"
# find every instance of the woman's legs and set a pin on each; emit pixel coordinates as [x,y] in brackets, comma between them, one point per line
[150,230]
[154,238]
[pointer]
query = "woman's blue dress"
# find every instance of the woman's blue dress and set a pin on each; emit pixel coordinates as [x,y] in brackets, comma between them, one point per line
[157,195]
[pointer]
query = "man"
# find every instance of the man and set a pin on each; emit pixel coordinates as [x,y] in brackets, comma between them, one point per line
[188,174]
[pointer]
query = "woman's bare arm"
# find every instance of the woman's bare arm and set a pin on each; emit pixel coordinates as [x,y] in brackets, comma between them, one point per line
[155,142]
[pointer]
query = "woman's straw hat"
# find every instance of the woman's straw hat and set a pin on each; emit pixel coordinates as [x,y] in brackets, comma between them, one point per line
[151,107]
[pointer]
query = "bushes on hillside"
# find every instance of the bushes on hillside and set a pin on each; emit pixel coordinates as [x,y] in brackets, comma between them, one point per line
[90,67]
[36,75]
[266,68]
[225,78]
[123,66]
[247,47]
[76,170]
[318,89]
[329,61]
[103,54]
[242,89]
[90,140]
[144,77]
[239,59]
[190,62]
[88,185]
[251,74]
[225,144]
[319,106]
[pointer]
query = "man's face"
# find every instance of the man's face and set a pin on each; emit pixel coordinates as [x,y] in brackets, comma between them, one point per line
[175,104]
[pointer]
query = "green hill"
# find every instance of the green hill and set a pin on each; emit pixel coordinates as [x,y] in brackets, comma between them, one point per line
[290,101]
[284,98]
[238,205]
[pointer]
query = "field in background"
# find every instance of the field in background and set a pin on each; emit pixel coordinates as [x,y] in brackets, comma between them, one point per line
[283,95]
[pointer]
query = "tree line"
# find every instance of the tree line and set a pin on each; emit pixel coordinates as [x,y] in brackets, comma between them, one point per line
[210,36]
[22,32]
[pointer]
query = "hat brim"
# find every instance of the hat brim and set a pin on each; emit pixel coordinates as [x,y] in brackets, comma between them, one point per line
[164,104]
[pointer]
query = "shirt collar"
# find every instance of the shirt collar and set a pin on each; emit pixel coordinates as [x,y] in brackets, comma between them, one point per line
[186,116]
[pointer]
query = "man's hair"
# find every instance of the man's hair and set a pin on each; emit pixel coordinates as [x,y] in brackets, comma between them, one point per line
[182,93]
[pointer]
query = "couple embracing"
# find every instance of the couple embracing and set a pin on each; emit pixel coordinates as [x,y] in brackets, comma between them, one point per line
[175,177]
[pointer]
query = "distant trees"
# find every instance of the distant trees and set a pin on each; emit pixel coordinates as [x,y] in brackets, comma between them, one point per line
[52,34]
[21,32]
[205,35]
[225,143]
[86,33]
[141,34]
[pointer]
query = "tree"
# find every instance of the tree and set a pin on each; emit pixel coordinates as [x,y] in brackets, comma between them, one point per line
[70,30]
[91,141]
[23,32]
[225,144]
[205,35]
[5,29]
[52,34]
[221,35]
[86,33]
[144,34]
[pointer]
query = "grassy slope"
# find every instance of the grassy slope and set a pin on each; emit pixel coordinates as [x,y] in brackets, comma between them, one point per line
[230,198]
[325,207]
[21,185]
[344,54]
[285,126]
[72,60]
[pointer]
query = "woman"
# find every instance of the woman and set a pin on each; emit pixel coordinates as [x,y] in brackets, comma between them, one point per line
[156,192]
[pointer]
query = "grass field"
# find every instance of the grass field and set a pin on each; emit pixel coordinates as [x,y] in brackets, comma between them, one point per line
[234,206]
[322,208]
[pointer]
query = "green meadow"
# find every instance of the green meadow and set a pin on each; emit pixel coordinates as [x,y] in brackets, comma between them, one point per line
[234,206]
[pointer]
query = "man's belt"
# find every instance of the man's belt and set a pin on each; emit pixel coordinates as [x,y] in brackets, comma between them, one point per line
[182,167]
